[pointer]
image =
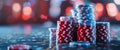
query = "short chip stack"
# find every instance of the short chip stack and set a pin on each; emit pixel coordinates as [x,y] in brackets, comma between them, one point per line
[65,31]
[103,33]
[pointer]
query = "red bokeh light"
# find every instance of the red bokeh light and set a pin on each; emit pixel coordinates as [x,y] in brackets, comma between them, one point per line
[68,11]
[27,11]
[43,17]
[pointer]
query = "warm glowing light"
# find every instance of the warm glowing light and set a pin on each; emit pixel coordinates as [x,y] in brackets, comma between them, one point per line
[43,17]
[117,2]
[16,7]
[112,9]
[25,18]
[99,7]
[118,17]
[27,10]
[99,10]
[68,11]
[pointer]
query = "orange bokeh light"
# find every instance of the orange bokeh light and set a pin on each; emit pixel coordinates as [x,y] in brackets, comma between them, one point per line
[99,8]
[112,9]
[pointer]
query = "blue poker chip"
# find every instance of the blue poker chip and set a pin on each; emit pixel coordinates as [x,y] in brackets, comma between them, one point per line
[87,17]
[87,10]
[79,44]
[87,23]
[87,5]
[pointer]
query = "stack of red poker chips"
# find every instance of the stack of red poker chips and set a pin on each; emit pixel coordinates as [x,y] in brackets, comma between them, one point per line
[19,47]
[102,32]
[65,30]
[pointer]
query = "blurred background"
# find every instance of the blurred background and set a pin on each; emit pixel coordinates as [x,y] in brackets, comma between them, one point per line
[27,20]
[42,11]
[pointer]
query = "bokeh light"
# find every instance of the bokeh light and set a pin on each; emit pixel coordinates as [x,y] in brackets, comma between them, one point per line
[27,11]
[99,10]
[55,9]
[117,2]
[16,7]
[118,17]
[44,17]
[68,11]
[112,9]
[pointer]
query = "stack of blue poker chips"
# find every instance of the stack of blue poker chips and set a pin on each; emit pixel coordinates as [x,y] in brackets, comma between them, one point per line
[85,15]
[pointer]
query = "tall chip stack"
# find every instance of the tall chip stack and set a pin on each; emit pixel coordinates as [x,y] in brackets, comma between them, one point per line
[103,33]
[86,24]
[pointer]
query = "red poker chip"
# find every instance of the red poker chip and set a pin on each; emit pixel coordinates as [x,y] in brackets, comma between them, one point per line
[19,47]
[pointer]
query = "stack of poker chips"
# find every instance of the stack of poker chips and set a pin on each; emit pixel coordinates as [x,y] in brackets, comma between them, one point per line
[80,27]
[103,33]
[19,47]
[52,39]
[86,24]
[65,29]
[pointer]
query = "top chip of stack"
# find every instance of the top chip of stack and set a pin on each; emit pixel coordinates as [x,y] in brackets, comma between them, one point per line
[68,19]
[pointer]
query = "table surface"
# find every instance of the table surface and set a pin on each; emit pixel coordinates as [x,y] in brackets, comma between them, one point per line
[37,36]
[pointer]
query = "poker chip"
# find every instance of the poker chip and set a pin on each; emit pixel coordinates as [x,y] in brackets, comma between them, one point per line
[19,47]
[69,19]
[102,32]
[52,35]
[79,44]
